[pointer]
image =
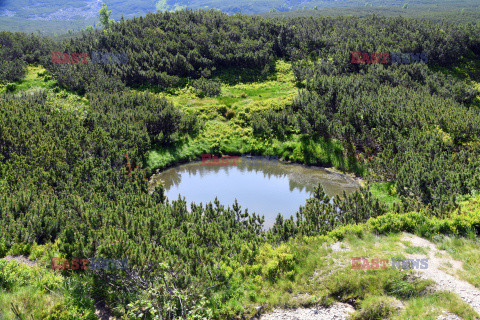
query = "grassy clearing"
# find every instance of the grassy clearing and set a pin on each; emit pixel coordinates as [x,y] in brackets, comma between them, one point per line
[274,91]
[28,301]
[227,127]
[36,77]
[254,96]
[385,192]
[241,88]
[40,293]
[468,69]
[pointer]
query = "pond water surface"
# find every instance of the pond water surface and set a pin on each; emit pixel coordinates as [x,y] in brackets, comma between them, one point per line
[266,187]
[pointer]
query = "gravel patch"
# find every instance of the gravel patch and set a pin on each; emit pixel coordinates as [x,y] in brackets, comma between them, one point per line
[448,316]
[337,246]
[337,311]
[21,259]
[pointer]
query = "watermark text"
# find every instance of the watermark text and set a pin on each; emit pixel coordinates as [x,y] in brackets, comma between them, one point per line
[401,264]
[92,263]
[388,57]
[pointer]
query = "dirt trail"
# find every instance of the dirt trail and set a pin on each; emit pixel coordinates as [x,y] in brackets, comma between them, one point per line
[442,269]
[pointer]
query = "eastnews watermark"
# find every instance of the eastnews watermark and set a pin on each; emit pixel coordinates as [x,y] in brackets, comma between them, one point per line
[401,264]
[92,264]
[93,57]
[389,57]
[226,160]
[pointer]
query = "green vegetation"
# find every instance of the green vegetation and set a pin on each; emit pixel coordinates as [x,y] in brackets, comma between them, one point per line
[39,293]
[105,20]
[386,192]
[437,12]
[463,249]
[78,143]
[306,271]
[236,136]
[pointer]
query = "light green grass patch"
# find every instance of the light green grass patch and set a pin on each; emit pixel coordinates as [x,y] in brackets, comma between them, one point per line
[275,93]
[35,77]
[28,301]
[465,250]
[431,306]
[414,249]
[41,293]
[385,192]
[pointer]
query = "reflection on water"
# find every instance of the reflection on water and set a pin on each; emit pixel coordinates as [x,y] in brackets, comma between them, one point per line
[266,187]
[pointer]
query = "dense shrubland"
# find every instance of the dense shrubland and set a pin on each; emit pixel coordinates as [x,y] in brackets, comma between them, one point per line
[418,128]
[165,47]
[320,215]
[19,49]
[80,194]
[78,178]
